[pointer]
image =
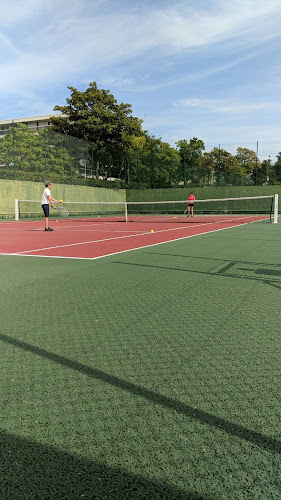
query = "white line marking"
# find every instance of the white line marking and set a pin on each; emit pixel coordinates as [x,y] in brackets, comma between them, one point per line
[95,241]
[47,256]
[119,237]
[177,239]
[94,230]
[130,249]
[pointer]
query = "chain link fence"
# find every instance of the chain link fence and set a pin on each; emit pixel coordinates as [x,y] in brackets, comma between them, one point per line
[37,154]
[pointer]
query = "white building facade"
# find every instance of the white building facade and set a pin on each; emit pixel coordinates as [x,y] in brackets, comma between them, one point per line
[33,122]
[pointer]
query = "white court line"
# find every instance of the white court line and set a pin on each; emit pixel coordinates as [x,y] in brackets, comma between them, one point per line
[119,238]
[95,241]
[100,230]
[129,249]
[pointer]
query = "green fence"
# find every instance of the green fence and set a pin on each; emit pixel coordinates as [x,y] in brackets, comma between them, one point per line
[201,193]
[38,154]
[23,190]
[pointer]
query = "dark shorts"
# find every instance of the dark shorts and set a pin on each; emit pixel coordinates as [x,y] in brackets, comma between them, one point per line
[46,210]
[191,204]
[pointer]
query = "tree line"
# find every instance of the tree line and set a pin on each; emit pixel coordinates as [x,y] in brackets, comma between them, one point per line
[102,143]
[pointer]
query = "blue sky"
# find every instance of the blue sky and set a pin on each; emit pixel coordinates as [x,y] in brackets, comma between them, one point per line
[206,68]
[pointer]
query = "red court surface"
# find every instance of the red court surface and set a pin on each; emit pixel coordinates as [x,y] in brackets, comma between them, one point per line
[92,239]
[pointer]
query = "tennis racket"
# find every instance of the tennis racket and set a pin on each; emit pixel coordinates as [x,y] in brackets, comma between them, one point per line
[63,211]
[185,212]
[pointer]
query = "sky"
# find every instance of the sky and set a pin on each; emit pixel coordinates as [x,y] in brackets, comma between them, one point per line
[209,69]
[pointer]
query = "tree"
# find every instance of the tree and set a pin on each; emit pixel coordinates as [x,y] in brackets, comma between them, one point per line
[35,155]
[191,160]
[137,155]
[277,168]
[149,159]
[261,176]
[168,160]
[221,165]
[247,161]
[95,115]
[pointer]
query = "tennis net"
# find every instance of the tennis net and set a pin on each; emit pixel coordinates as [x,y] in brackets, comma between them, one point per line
[80,211]
[208,210]
[205,211]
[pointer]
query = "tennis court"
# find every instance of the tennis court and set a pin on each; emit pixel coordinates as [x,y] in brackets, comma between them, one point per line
[95,230]
[145,374]
[90,239]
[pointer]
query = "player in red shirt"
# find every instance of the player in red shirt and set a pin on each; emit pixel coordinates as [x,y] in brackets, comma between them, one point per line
[190,205]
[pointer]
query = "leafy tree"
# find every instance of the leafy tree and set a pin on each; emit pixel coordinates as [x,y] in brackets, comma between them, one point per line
[220,164]
[95,115]
[137,153]
[152,163]
[35,155]
[247,161]
[277,168]
[168,160]
[261,176]
[149,159]
[191,160]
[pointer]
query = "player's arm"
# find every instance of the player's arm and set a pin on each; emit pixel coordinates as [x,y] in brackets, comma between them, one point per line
[52,200]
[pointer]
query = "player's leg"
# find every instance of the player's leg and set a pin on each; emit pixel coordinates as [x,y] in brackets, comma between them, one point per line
[46,213]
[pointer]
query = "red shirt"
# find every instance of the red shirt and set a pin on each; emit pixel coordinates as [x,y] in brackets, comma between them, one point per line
[191,198]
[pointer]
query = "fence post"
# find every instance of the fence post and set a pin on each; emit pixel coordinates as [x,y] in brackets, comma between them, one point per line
[70,157]
[184,170]
[45,154]
[92,164]
[14,150]
[257,153]
[219,166]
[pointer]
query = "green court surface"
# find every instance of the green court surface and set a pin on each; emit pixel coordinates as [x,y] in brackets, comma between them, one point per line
[152,374]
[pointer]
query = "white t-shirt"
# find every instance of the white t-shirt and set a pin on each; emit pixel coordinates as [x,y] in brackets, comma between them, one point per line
[44,199]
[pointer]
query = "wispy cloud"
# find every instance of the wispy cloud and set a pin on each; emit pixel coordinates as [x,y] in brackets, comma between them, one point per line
[223,105]
[156,52]
[9,44]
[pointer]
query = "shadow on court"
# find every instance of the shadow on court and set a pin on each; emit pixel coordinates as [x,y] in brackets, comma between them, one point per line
[216,259]
[34,471]
[276,283]
[203,417]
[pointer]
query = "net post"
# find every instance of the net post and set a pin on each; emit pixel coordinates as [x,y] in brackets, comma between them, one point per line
[275,216]
[126,211]
[16,209]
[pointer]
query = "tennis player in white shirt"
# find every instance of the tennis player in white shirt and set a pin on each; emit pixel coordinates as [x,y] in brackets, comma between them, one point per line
[45,202]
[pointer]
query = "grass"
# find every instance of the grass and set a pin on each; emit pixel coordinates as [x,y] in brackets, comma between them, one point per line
[146,375]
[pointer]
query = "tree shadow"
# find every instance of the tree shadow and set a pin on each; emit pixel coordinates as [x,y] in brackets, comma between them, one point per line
[35,471]
[203,417]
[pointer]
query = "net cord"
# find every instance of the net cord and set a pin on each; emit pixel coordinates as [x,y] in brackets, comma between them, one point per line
[200,201]
[273,209]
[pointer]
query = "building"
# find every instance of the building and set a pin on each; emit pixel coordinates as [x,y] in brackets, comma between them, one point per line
[33,122]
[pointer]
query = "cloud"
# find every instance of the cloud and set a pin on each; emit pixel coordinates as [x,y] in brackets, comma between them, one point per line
[141,47]
[68,43]
[222,105]
[100,36]
[9,44]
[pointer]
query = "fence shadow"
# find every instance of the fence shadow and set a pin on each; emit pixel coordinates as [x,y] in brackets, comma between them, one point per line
[274,282]
[204,417]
